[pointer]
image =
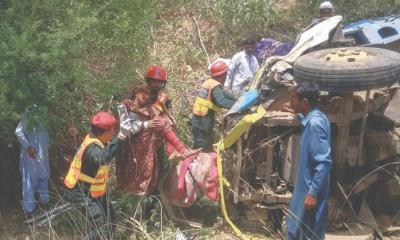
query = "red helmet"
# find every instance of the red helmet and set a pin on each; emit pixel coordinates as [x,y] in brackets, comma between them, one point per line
[104,120]
[157,73]
[218,68]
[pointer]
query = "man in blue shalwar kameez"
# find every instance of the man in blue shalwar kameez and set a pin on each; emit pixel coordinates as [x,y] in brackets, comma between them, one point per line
[34,161]
[308,207]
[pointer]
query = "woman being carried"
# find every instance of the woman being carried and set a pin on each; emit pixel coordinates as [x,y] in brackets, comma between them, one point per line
[137,164]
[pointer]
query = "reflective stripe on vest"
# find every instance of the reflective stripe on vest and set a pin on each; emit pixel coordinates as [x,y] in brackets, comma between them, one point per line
[203,103]
[98,184]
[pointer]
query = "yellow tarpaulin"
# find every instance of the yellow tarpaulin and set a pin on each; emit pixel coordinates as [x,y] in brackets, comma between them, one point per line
[241,128]
[226,143]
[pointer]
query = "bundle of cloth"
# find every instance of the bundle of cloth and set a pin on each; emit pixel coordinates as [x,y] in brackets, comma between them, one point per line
[195,175]
[268,47]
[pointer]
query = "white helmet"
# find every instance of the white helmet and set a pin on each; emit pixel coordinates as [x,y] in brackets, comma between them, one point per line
[326,5]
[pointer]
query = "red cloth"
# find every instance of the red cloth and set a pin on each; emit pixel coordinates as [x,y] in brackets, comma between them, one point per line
[169,149]
[197,173]
[137,166]
[184,167]
[172,139]
[104,120]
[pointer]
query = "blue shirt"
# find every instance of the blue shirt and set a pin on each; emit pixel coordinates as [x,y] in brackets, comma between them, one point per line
[313,172]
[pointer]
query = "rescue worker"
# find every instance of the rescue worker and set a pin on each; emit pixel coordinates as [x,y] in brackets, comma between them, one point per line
[156,79]
[210,98]
[34,159]
[87,178]
[242,67]
[309,204]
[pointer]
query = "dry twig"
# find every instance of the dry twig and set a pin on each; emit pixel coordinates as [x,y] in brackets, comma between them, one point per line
[201,40]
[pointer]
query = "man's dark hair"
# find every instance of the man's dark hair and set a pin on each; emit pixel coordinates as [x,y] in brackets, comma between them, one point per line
[96,131]
[250,40]
[309,91]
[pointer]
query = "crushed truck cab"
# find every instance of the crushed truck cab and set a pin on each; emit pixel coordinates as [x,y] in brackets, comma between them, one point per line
[359,95]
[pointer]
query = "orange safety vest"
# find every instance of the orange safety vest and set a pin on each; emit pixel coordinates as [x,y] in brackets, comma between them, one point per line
[98,185]
[203,102]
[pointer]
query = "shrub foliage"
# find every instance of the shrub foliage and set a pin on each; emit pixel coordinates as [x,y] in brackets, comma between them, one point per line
[69,57]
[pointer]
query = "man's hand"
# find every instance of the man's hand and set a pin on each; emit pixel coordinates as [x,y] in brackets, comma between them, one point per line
[175,157]
[190,152]
[310,202]
[31,152]
[154,123]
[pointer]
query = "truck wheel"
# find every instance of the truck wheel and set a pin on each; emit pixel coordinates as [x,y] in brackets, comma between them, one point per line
[349,69]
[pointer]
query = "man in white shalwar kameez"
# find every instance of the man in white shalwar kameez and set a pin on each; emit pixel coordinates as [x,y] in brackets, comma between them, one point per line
[34,161]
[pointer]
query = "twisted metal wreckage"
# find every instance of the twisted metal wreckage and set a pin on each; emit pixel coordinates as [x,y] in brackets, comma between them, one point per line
[259,150]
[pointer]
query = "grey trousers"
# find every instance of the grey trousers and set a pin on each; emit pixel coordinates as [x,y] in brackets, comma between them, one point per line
[99,213]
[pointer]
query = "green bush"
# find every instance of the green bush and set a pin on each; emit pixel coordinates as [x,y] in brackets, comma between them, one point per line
[247,15]
[70,57]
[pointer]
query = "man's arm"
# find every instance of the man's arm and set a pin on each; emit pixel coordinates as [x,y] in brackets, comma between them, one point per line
[21,136]
[23,140]
[102,156]
[321,157]
[221,98]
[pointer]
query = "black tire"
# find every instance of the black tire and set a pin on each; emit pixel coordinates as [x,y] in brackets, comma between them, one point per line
[349,69]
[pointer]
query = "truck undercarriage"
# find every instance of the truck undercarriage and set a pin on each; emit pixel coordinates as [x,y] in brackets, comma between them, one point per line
[361,106]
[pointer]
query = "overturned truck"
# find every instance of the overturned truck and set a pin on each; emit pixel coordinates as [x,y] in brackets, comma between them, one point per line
[360,96]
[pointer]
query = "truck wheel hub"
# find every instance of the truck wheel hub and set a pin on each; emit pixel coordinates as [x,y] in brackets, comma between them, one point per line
[347,55]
